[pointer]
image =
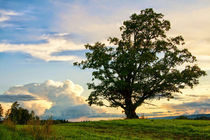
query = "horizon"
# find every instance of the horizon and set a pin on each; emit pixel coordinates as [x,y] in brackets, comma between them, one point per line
[40,40]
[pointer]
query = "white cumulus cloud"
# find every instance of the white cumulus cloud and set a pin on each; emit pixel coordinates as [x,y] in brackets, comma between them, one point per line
[46,50]
[62,100]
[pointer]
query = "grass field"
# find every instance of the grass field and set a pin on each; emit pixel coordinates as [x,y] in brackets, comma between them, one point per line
[118,129]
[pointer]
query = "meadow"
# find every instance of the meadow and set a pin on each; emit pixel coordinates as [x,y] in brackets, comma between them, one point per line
[111,130]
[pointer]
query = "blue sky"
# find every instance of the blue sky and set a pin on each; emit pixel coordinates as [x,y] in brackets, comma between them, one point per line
[39,39]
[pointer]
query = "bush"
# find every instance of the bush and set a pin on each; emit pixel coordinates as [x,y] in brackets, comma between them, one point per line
[183,117]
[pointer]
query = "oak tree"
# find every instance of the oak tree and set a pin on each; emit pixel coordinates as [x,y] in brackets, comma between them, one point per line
[144,64]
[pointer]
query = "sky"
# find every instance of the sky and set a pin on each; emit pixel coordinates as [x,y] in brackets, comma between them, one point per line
[40,40]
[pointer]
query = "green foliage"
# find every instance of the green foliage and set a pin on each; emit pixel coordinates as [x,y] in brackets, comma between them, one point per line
[202,118]
[19,115]
[182,117]
[142,64]
[195,118]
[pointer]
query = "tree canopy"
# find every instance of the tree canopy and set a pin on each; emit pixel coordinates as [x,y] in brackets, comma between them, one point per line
[144,64]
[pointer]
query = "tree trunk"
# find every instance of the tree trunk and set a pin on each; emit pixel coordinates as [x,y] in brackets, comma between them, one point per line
[130,108]
[131,113]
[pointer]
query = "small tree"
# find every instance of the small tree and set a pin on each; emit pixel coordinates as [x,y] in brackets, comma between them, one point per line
[1,111]
[19,115]
[142,64]
[32,115]
[13,112]
[7,114]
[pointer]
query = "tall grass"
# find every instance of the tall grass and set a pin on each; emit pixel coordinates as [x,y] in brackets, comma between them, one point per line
[9,124]
[34,130]
[9,131]
[41,131]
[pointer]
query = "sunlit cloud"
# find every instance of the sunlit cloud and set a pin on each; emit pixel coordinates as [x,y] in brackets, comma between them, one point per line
[46,50]
[6,15]
[62,100]
[193,25]
[39,106]
[196,107]
[91,26]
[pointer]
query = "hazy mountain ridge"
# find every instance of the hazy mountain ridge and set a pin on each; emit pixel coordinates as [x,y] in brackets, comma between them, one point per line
[194,116]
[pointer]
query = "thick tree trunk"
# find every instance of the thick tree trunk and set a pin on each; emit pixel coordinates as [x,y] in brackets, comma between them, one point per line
[130,108]
[131,113]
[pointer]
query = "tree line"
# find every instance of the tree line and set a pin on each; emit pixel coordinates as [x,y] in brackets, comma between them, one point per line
[18,115]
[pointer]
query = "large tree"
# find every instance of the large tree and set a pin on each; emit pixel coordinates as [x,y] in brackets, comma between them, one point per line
[143,64]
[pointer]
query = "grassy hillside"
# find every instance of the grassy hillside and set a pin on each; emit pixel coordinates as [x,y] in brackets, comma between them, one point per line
[122,129]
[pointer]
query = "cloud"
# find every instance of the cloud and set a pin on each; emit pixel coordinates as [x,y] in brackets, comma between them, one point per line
[193,25]
[3,18]
[5,15]
[92,22]
[46,50]
[200,106]
[13,98]
[95,21]
[204,60]
[39,106]
[98,26]
[62,100]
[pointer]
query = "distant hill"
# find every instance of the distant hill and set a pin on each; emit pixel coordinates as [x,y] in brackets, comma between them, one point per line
[194,116]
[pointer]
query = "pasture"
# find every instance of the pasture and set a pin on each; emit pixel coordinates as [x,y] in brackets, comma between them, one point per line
[111,130]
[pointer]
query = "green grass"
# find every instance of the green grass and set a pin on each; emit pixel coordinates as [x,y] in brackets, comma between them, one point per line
[10,134]
[128,129]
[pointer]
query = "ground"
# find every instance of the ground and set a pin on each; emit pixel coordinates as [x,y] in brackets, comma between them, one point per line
[121,130]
